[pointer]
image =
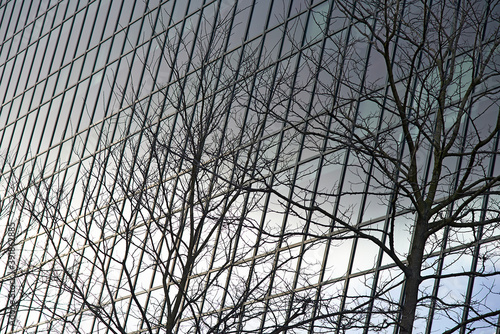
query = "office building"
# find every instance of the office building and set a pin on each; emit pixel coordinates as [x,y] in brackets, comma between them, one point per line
[260,166]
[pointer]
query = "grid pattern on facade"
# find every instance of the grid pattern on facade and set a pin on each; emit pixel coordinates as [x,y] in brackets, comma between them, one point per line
[244,166]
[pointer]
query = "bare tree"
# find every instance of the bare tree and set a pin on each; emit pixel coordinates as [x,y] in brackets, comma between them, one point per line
[168,233]
[406,105]
[371,140]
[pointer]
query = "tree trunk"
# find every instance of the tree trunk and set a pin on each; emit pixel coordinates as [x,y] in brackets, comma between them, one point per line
[413,278]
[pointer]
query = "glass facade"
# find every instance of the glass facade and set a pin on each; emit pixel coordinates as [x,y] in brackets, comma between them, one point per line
[261,166]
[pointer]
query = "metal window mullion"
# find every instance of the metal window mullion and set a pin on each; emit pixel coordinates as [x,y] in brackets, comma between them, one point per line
[266,204]
[295,167]
[245,201]
[220,151]
[26,156]
[155,196]
[144,124]
[260,135]
[69,157]
[337,202]
[172,260]
[391,208]
[116,237]
[32,252]
[336,207]
[101,132]
[10,77]
[122,153]
[318,168]
[159,124]
[36,196]
[7,25]
[475,257]
[155,203]
[202,69]
[50,180]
